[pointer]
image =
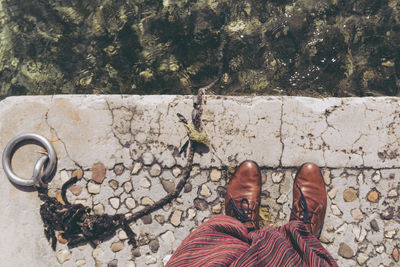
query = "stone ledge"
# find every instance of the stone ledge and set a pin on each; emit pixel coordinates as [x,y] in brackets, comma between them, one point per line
[274,131]
[355,140]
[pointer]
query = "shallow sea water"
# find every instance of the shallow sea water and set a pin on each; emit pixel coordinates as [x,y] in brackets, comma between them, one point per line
[304,47]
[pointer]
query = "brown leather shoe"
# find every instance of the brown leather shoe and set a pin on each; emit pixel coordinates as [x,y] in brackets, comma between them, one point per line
[309,198]
[242,200]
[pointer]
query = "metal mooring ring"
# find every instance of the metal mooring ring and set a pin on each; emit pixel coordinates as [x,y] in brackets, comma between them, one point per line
[37,170]
[51,154]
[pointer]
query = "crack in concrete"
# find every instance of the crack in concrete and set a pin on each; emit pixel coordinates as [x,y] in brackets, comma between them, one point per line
[112,126]
[280,133]
[54,131]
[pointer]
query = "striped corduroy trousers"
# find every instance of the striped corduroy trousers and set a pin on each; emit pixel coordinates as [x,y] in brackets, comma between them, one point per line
[224,241]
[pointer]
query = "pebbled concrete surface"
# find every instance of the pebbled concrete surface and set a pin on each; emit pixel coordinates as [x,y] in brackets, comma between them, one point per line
[127,147]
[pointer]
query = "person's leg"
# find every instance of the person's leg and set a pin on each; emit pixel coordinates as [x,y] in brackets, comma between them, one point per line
[295,243]
[223,239]
[217,242]
[289,245]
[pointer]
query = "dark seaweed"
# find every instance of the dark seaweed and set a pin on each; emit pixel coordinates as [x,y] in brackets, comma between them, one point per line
[76,222]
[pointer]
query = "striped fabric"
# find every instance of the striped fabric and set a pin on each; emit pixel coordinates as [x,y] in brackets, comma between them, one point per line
[224,241]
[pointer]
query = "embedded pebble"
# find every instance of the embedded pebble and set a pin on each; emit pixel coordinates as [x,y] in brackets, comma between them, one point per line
[332,193]
[395,254]
[388,213]
[175,219]
[98,254]
[147,219]
[326,175]
[122,235]
[81,201]
[130,203]
[325,239]
[119,169]
[277,177]
[342,228]
[191,213]
[154,245]
[147,158]
[380,249]
[200,204]
[80,263]
[146,201]
[150,259]
[113,263]
[176,171]
[216,208]
[98,209]
[160,219]
[168,185]
[187,188]
[345,251]
[374,225]
[215,175]
[205,191]
[350,195]
[373,196]
[362,258]
[145,183]
[359,232]
[78,173]
[93,188]
[195,169]
[114,201]
[179,200]
[166,207]
[76,190]
[168,237]
[128,187]
[357,214]
[63,255]
[167,159]
[113,184]
[136,168]
[390,234]
[155,170]
[136,253]
[166,259]
[392,193]
[335,210]
[98,172]
[376,177]
[117,246]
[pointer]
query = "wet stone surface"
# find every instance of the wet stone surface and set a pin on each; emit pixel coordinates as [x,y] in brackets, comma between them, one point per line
[362,222]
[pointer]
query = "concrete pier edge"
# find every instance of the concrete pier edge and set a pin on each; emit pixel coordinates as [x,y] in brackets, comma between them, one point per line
[135,141]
